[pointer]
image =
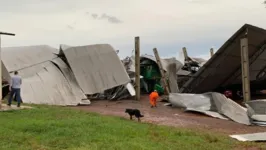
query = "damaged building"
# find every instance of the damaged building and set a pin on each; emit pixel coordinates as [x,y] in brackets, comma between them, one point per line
[67,76]
[223,71]
[176,73]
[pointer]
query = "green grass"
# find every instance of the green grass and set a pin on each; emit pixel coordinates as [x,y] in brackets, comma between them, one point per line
[47,127]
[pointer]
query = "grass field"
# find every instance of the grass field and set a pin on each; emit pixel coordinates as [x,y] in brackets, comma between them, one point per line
[47,127]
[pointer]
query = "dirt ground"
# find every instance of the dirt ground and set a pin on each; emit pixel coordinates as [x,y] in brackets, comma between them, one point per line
[165,115]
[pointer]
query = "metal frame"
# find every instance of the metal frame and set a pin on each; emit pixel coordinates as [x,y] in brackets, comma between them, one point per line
[224,51]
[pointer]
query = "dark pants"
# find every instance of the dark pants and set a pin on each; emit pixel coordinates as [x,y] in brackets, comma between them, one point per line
[17,93]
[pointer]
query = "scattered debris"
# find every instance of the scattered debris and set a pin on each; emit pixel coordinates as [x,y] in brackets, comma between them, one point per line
[257,111]
[4,107]
[202,103]
[254,137]
[212,104]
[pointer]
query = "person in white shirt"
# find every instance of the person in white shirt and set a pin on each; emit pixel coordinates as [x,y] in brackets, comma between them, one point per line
[15,85]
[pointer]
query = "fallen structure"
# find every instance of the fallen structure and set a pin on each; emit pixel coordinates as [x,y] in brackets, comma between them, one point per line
[98,70]
[217,105]
[151,73]
[43,81]
[223,69]
[68,76]
[211,104]
[96,67]
[257,112]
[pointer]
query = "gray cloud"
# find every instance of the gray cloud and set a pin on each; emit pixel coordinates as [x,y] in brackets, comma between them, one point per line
[109,18]
[70,27]
[95,16]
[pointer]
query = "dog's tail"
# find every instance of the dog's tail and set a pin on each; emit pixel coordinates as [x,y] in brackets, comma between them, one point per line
[141,115]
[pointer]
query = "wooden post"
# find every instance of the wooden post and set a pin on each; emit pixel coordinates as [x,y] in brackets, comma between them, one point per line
[185,53]
[161,70]
[137,68]
[186,58]
[211,52]
[1,94]
[245,68]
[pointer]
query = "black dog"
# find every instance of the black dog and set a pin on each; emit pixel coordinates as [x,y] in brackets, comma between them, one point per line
[134,112]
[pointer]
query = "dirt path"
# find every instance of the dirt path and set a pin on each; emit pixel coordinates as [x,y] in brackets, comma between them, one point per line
[165,115]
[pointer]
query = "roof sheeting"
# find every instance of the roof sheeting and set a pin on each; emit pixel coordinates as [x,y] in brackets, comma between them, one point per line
[45,77]
[48,86]
[96,67]
[224,68]
[16,58]
[211,104]
[250,137]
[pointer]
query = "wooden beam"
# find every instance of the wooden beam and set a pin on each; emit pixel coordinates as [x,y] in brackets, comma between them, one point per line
[167,91]
[137,68]
[245,68]
[1,94]
[185,53]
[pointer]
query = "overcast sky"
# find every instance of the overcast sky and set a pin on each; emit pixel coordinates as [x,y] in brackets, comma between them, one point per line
[168,25]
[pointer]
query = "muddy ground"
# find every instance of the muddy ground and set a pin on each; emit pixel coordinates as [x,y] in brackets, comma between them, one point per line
[165,115]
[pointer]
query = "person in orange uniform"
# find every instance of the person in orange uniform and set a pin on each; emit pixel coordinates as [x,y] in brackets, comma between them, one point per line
[153,98]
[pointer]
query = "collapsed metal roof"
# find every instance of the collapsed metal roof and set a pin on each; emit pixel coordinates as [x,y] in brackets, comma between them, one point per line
[45,76]
[224,68]
[96,67]
[16,58]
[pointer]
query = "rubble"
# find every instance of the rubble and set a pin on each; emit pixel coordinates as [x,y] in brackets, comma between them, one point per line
[177,73]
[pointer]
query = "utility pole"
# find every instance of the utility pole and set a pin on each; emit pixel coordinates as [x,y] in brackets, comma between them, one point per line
[245,67]
[1,95]
[137,68]
[156,54]
[211,52]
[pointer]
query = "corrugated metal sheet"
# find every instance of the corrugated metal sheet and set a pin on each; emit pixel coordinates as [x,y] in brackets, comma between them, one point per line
[96,67]
[67,72]
[202,103]
[257,111]
[48,86]
[212,104]
[224,68]
[16,58]
[258,137]
[46,80]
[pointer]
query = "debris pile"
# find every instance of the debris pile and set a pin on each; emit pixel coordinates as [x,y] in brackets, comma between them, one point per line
[68,76]
[218,106]
[177,73]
